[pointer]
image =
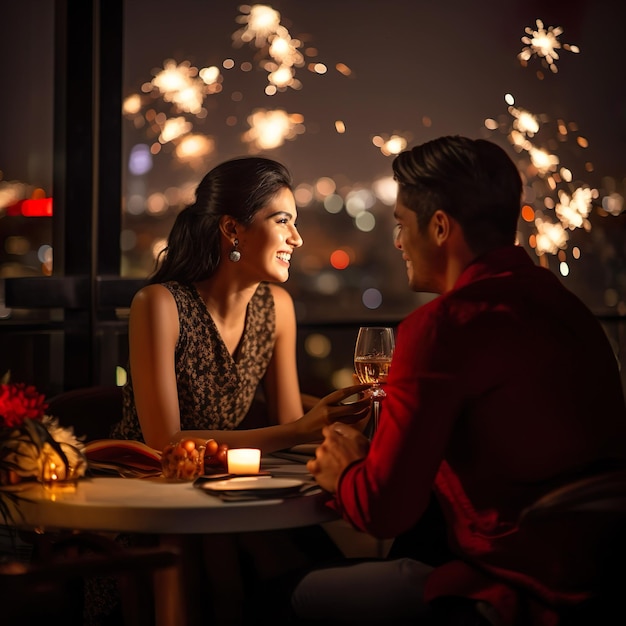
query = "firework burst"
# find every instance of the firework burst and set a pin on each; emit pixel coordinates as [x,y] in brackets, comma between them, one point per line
[270,129]
[573,210]
[550,237]
[543,42]
[280,52]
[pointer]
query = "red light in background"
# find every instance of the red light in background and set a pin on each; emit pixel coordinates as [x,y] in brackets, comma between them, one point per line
[42,207]
[35,207]
[340,259]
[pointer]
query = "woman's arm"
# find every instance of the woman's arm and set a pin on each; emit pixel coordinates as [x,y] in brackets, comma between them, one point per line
[306,429]
[153,333]
[282,389]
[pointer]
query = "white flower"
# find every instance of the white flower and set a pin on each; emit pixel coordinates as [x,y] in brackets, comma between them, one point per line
[60,433]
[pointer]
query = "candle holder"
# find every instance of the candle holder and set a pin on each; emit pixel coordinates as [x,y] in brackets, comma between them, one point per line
[61,474]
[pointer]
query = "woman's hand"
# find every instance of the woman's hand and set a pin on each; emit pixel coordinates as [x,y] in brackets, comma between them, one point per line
[331,409]
[342,446]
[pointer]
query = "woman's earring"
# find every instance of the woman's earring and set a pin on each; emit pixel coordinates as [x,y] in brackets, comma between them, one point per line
[234,255]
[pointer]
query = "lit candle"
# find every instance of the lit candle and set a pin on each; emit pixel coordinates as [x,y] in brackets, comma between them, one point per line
[56,476]
[244,460]
[50,470]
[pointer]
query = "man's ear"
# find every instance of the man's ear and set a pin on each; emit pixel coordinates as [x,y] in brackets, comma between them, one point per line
[440,226]
[228,226]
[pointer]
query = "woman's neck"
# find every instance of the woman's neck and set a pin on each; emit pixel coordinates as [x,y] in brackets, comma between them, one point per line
[226,302]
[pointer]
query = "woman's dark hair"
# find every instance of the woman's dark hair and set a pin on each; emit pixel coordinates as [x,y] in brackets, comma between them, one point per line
[239,188]
[473,180]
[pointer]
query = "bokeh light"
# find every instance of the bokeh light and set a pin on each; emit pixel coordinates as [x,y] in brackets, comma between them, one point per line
[372,298]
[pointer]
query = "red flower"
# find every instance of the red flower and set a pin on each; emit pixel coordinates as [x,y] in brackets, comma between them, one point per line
[18,402]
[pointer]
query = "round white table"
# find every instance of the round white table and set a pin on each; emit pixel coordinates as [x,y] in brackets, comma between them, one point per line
[160,507]
[169,509]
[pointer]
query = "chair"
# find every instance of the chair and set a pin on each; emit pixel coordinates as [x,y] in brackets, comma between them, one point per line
[579,531]
[50,588]
[91,411]
[584,526]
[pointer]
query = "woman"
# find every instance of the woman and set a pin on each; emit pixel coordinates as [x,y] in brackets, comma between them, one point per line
[209,328]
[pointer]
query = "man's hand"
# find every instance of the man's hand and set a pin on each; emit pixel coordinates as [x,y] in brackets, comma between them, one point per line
[342,445]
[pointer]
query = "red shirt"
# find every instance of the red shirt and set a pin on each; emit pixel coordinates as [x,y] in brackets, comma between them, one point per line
[499,390]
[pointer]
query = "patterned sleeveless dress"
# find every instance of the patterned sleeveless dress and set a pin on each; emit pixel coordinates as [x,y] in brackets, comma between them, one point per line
[215,388]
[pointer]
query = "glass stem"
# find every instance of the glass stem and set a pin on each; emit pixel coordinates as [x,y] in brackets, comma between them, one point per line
[372,425]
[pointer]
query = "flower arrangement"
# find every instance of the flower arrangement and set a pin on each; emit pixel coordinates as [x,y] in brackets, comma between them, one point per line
[33,446]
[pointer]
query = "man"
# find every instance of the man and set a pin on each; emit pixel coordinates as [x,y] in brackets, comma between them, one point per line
[501,388]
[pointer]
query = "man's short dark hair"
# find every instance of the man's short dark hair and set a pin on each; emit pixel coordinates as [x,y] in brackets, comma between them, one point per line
[473,180]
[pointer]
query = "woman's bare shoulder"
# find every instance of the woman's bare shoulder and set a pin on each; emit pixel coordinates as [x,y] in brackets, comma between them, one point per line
[153,296]
[282,298]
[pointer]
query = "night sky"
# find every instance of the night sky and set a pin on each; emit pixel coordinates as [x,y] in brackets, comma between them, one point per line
[449,61]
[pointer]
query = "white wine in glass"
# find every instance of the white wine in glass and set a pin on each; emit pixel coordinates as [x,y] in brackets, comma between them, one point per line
[372,357]
[372,370]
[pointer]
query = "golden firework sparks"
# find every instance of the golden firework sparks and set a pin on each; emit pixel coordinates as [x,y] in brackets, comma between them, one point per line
[284,50]
[391,145]
[270,129]
[193,149]
[132,105]
[543,42]
[543,161]
[525,122]
[550,237]
[281,76]
[260,21]
[180,85]
[174,128]
[280,51]
[186,88]
[210,75]
[573,210]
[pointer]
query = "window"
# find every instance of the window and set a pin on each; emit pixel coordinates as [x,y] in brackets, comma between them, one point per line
[334,93]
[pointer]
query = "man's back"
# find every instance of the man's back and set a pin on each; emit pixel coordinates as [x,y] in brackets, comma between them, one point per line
[542,398]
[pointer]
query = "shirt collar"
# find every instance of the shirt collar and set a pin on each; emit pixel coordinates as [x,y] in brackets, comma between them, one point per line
[499,261]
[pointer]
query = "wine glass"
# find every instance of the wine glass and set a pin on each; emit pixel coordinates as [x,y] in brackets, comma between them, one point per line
[372,358]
